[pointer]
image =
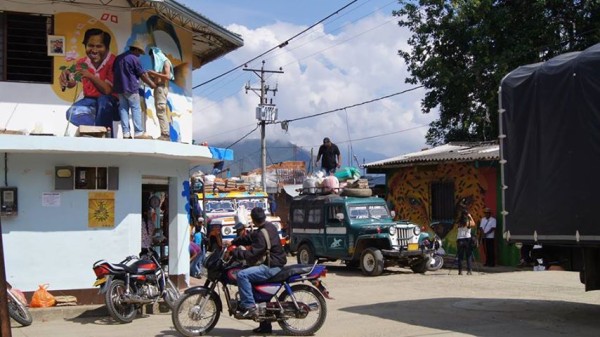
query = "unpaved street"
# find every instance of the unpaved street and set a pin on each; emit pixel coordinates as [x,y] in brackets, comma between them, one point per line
[400,303]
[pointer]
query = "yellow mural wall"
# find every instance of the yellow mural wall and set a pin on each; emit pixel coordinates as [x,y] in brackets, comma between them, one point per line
[409,193]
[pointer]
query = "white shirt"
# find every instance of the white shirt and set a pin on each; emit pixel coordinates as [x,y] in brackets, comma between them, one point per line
[463,233]
[487,224]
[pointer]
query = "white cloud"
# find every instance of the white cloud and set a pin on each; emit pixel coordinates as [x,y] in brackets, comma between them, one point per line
[358,63]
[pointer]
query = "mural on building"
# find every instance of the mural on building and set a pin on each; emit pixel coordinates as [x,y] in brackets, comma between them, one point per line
[410,195]
[82,74]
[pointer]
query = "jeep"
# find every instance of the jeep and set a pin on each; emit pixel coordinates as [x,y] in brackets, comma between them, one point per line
[357,230]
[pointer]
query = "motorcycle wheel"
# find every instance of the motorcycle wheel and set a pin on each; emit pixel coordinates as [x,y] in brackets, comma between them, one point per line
[435,263]
[171,294]
[192,320]
[311,300]
[121,312]
[18,311]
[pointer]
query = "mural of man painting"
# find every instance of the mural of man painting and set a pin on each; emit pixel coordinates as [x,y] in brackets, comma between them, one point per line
[95,71]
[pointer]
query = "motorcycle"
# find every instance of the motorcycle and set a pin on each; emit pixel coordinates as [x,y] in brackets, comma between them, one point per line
[435,250]
[299,308]
[132,283]
[17,309]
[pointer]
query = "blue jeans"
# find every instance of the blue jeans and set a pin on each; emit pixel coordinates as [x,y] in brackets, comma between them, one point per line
[101,111]
[246,277]
[127,101]
[196,264]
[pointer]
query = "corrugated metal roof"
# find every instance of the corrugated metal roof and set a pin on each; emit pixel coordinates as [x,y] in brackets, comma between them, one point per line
[458,152]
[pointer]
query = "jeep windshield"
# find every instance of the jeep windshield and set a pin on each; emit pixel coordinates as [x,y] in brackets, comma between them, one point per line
[369,212]
[219,206]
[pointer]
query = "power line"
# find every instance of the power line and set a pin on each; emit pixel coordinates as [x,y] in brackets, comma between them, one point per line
[281,45]
[351,106]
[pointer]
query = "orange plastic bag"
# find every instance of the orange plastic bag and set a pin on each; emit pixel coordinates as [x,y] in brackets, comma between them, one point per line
[42,298]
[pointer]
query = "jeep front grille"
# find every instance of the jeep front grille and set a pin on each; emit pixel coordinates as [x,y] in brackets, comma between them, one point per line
[404,236]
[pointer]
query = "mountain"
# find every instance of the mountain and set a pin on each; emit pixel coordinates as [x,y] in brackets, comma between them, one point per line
[246,155]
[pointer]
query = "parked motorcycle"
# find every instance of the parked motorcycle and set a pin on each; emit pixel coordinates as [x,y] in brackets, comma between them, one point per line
[17,309]
[132,283]
[299,308]
[435,250]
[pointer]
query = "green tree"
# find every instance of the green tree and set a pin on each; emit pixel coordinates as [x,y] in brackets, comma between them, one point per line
[461,50]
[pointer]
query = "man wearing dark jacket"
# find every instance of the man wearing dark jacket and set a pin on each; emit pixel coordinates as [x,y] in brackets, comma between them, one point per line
[273,263]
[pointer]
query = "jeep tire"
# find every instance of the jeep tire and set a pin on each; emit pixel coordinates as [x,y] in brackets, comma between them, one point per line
[371,262]
[421,266]
[305,254]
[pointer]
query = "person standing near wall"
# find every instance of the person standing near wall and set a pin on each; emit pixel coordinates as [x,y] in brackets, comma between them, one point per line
[488,227]
[128,71]
[161,74]
[463,241]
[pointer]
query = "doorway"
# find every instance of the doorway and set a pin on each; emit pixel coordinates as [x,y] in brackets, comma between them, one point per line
[155,201]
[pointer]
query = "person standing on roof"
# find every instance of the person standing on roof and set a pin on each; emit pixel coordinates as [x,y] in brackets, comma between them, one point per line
[330,156]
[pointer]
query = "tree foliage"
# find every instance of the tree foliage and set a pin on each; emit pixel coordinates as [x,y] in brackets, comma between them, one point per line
[461,50]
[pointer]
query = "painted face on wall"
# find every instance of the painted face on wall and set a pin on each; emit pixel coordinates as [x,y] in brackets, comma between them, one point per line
[96,50]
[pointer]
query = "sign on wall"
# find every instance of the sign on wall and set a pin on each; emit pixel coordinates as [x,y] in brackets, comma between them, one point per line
[101,209]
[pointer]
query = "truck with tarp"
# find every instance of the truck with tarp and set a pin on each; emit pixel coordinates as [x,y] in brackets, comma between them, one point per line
[550,155]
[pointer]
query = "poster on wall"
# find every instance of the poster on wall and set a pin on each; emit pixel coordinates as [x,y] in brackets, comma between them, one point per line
[56,45]
[101,209]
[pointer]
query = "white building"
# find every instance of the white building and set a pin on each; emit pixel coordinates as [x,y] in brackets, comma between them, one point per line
[67,201]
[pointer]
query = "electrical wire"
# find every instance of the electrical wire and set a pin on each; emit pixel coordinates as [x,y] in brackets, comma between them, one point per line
[349,106]
[281,45]
[239,140]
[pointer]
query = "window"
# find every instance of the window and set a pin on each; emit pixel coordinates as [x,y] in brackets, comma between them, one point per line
[442,201]
[23,51]
[298,216]
[314,217]
[332,211]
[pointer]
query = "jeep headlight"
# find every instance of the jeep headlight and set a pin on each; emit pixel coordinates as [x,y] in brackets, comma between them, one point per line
[417,230]
[227,230]
[392,230]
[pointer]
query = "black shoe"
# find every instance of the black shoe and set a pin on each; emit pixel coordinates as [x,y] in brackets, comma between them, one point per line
[263,330]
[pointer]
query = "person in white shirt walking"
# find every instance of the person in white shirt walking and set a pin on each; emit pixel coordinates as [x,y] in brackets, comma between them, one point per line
[488,227]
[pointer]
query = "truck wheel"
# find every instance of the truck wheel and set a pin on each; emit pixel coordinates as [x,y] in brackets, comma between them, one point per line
[421,266]
[305,255]
[371,262]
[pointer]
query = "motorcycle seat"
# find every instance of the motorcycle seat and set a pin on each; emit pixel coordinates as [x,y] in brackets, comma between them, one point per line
[289,271]
[119,268]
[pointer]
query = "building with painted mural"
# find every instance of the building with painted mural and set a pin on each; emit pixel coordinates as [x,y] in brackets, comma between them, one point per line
[432,186]
[74,187]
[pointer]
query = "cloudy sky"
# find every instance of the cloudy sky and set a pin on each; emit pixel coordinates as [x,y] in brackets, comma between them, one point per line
[348,59]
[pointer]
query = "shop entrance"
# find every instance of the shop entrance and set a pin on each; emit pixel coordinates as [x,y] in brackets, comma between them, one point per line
[155,201]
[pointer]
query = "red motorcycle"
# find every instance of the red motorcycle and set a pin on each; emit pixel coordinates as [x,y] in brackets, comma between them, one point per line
[132,283]
[294,298]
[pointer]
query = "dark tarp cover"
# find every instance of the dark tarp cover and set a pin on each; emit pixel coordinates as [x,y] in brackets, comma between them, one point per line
[552,147]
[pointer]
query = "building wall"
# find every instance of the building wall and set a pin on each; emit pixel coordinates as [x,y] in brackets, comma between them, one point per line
[41,108]
[57,245]
[475,186]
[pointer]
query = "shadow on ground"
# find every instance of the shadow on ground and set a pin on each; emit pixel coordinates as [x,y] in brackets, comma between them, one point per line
[491,317]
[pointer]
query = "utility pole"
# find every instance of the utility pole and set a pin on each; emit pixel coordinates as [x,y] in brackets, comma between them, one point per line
[266,112]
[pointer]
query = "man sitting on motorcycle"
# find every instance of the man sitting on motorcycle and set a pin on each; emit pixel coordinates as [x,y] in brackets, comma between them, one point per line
[261,272]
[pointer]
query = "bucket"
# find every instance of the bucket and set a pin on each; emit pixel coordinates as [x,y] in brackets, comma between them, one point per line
[330,184]
[309,185]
